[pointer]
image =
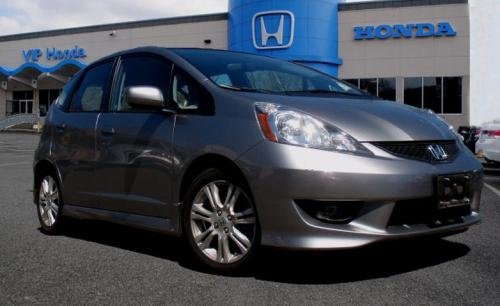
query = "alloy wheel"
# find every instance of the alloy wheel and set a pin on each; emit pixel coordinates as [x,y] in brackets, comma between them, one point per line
[222,220]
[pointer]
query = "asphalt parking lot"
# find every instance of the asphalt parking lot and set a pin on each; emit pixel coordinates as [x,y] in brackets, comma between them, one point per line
[98,263]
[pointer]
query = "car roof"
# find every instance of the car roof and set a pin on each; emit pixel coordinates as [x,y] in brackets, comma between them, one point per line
[165,50]
[168,53]
[171,53]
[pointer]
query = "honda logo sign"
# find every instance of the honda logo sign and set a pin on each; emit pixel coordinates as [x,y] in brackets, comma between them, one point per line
[273,29]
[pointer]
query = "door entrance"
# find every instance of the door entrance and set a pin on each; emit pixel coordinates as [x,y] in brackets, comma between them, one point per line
[25,106]
[19,107]
[22,103]
[45,98]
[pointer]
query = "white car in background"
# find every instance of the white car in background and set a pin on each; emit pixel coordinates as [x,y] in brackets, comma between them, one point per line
[488,145]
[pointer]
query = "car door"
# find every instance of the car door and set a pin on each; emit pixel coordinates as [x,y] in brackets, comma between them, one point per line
[74,139]
[134,146]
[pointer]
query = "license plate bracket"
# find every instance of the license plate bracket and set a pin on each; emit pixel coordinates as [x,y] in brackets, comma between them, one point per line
[453,191]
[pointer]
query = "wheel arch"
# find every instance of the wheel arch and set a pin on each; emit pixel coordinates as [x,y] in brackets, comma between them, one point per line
[42,168]
[208,161]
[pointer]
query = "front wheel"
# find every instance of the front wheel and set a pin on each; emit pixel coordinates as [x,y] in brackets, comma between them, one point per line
[220,221]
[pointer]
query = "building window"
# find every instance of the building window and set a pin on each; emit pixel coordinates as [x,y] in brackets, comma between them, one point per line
[353,82]
[384,88]
[368,85]
[45,99]
[452,95]
[387,88]
[22,95]
[443,95]
[413,92]
[432,94]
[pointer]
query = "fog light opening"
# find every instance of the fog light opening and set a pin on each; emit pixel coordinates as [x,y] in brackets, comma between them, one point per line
[331,211]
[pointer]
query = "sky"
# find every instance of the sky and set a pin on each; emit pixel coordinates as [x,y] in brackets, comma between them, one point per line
[21,16]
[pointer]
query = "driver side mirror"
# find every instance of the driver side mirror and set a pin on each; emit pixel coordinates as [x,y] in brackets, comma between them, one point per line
[144,97]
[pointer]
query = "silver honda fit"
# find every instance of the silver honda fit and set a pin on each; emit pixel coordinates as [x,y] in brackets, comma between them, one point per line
[233,150]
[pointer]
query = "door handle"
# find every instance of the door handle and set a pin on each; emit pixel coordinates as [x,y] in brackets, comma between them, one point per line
[108,131]
[61,127]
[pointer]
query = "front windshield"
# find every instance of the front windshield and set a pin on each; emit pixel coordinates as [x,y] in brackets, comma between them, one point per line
[240,71]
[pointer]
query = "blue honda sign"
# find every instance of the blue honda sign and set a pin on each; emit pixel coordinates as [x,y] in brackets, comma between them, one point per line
[386,31]
[273,29]
[296,30]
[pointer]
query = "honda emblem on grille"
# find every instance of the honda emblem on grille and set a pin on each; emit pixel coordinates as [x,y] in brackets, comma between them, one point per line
[437,152]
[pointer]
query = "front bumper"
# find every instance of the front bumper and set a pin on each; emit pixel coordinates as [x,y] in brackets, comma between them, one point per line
[279,175]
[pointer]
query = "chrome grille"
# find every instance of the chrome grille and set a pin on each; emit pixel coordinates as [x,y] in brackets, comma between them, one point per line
[419,150]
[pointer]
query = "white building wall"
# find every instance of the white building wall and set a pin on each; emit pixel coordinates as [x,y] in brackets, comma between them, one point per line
[99,44]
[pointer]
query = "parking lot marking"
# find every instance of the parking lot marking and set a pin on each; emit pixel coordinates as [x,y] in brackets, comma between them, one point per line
[495,191]
[15,164]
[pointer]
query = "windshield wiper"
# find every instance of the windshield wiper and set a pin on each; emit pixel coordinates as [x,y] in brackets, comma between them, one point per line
[245,89]
[312,91]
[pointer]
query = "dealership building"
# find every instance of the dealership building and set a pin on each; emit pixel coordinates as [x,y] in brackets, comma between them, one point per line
[415,52]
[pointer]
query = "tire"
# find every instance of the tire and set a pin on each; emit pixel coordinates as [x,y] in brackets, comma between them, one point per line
[222,232]
[49,205]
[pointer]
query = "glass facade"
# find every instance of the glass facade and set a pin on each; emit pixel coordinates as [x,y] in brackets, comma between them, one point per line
[443,95]
[452,95]
[413,92]
[432,94]
[387,88]
[45,99]
[384,88]
[354,82]
[368,85]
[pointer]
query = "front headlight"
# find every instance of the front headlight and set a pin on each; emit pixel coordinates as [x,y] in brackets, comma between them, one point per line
[284,125]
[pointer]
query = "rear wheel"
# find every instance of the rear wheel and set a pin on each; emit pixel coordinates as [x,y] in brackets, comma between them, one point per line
[49,205]
[220,221]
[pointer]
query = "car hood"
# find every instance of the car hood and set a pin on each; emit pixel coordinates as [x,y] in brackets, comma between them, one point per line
[369,120]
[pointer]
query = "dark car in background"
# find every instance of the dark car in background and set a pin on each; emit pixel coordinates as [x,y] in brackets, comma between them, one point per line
[470,136]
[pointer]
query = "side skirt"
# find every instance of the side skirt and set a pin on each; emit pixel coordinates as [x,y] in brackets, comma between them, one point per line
[156,224]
